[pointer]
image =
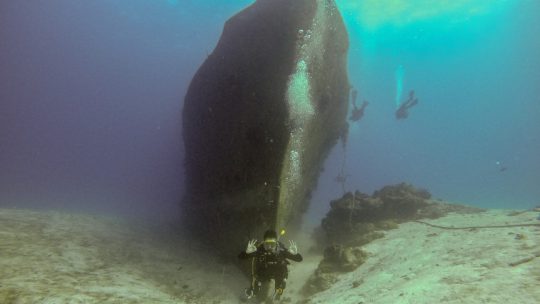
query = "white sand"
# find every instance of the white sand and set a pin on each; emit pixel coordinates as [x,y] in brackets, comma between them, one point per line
[50,257]
[421,264]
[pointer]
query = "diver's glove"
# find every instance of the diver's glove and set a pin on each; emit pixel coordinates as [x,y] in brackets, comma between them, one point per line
[251,247]
[292,248]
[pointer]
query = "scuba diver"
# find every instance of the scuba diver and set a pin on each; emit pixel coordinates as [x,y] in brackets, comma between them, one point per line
[357,113]
[402,111]
[269,262]
[502,168]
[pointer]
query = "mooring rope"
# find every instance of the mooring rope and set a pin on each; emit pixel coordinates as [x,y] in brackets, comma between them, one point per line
[477,227]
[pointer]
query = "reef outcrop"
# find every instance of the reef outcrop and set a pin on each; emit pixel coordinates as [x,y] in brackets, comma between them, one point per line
[259,118]
[336,259]
[357,219]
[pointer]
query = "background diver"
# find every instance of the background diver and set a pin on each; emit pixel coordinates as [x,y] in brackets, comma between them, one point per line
[269,262]
[357,113]
[402,111]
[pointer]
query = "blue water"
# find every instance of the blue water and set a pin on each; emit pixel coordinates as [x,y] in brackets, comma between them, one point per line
[476,78]
[400,74]
[91,98]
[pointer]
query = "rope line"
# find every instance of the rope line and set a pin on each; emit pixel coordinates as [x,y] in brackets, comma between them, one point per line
[477,227]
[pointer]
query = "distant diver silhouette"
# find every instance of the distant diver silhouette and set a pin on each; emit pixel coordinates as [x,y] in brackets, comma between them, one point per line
[403,111]
[502,167]
[357,113]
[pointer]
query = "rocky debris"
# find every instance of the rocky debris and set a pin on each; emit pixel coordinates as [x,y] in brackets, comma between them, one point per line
[337,259]
[357,219]
[319,281]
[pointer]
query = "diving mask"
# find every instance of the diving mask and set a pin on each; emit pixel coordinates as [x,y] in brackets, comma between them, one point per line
[270,244]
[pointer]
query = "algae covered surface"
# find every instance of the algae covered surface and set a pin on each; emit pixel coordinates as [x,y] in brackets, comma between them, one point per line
[51,257]
[417,263]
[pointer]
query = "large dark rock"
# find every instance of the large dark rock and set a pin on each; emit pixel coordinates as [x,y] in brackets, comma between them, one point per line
[260,116]
[357,219]
[337,259]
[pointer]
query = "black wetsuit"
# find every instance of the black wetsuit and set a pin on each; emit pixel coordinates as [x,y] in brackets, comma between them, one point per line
[270,265]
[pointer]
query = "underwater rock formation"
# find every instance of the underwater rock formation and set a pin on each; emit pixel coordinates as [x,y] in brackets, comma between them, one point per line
[356,219]
[336,259]
[259,118]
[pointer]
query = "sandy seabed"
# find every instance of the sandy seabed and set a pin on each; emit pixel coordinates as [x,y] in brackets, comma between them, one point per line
[417,263]
[54,258]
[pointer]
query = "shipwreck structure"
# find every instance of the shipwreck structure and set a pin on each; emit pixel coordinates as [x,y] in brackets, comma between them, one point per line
[259,118]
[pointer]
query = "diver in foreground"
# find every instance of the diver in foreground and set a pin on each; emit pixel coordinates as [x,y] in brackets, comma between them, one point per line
[269,262]
[402,111]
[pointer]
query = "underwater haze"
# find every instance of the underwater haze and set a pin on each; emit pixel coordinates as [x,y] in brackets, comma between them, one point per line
[90,101]
[91,97]
[473,136]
